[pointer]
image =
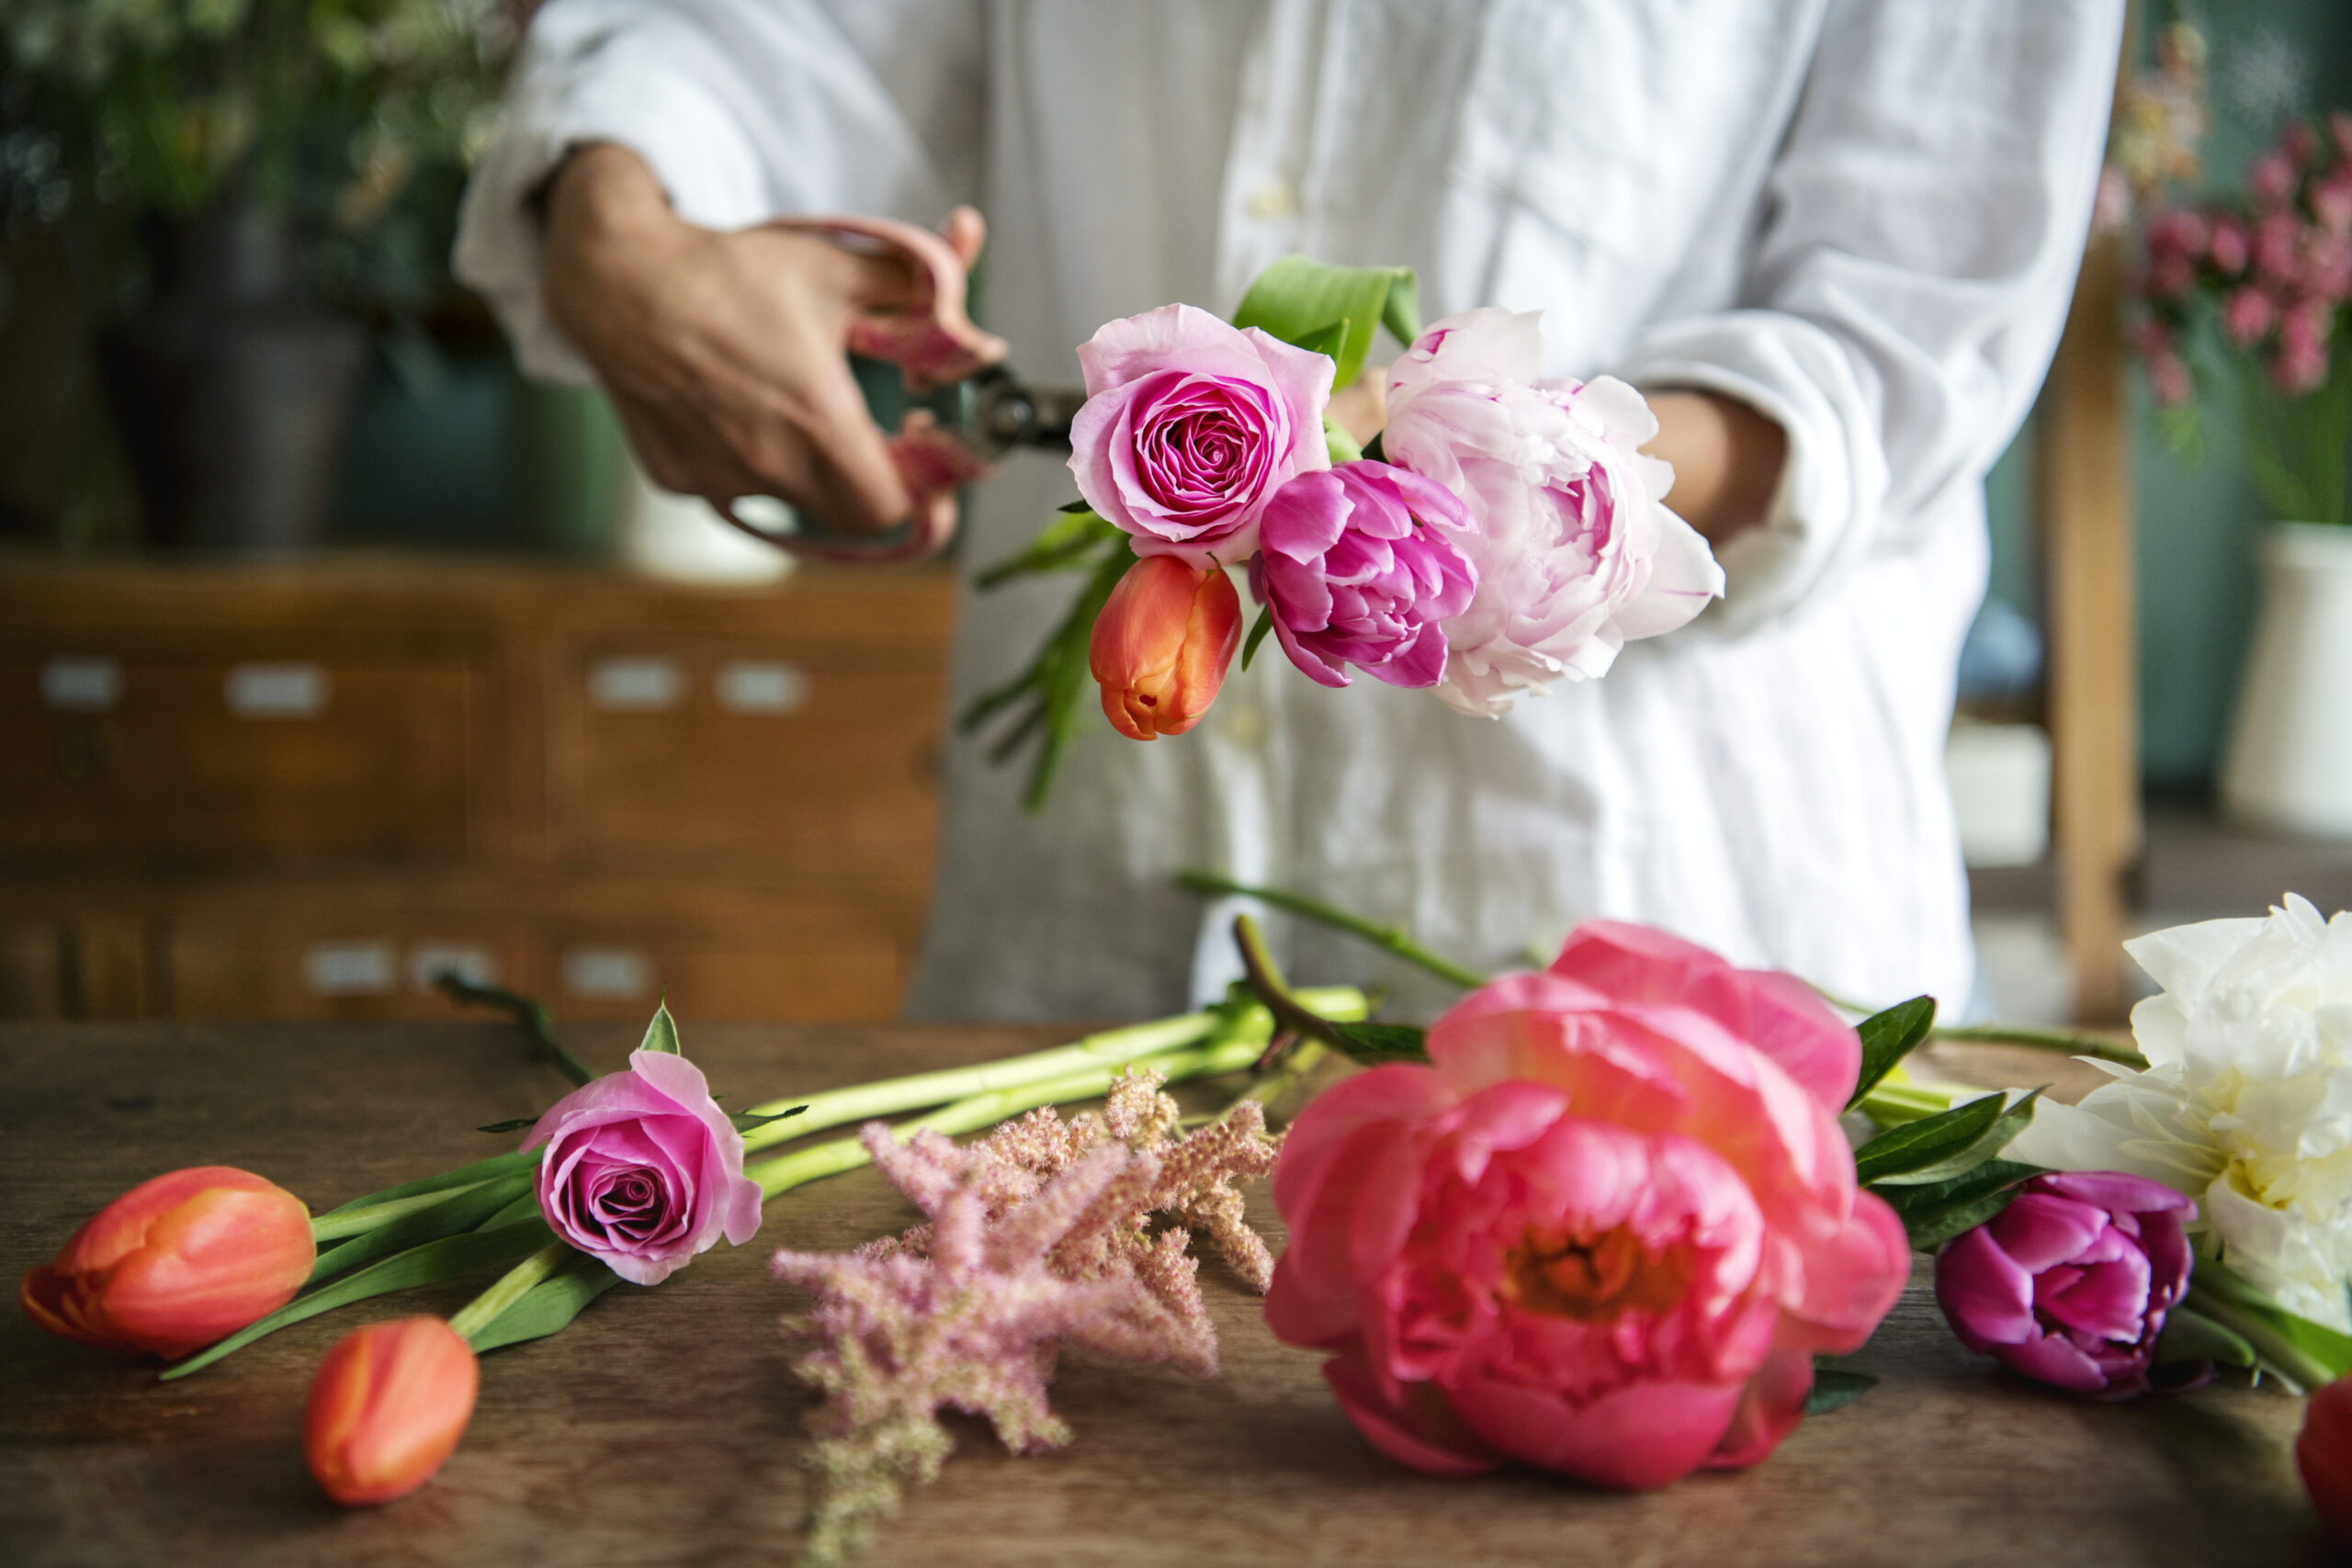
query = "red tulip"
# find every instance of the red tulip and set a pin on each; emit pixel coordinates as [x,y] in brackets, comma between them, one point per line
[176,1263]
[387,1406]
[1161,646]
[2323,1453]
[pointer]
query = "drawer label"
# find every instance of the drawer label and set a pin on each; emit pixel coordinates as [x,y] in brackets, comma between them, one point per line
[606,972]
[276,690]
[348,968]
[78,683]
[761,685]
[635,685]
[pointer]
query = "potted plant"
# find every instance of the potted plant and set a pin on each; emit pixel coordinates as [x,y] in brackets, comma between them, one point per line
[256,146]
[2245,302]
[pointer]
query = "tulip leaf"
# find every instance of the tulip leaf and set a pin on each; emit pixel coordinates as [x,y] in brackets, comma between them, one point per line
[1916,1145]
[1303,302]
[661,1031]
[1076,532]
[1051,693]
[550,1306]
[1934,1213]
[1373,1044]
[463,1210]
[2294,1345]
[745,1121]
[464,1176]
[1888,1037]
[1265,624]
[425,1264]
[512,1125]
[1834,1388]
[2190,1335]
[1999,1136]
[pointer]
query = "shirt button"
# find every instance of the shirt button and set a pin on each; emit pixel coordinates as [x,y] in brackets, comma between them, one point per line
[1272,199]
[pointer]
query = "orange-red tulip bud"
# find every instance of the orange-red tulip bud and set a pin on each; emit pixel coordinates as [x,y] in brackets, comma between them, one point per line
[389,1403]
[176,1263]
[2323,1453]
[1161,645]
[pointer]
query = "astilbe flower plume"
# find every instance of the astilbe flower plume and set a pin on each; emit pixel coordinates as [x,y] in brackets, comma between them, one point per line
[1039,1236]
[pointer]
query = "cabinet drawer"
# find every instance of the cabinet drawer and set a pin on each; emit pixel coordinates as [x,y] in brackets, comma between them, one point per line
[790,759]
[351,966]
[212,759]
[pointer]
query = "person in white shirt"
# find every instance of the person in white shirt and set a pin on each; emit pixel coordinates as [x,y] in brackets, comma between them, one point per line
[1834,240]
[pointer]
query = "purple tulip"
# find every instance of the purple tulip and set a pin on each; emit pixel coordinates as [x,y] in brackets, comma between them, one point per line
[1359,565]
[644,1170]
[2069,1285]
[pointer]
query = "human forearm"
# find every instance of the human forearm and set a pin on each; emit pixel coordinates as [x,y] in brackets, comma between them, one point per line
[1727,459]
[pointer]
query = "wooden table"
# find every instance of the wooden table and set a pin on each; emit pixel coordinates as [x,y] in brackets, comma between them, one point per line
[666,1426]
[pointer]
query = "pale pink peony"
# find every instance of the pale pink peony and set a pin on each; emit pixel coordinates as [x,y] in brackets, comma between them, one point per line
[1190,426]
[1604,1232]
[1573,552]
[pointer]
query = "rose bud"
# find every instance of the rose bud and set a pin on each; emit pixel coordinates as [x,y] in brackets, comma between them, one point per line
[387,1407]
[2070,1284]
[2323,1454]
[1161,646]
[175,1263]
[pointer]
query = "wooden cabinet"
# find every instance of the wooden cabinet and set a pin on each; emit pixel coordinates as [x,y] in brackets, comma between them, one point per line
[300,792]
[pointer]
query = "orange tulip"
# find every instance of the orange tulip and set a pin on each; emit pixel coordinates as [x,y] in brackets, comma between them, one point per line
[387,1406]
[176,1263]
[1161,646]
[2323,1454]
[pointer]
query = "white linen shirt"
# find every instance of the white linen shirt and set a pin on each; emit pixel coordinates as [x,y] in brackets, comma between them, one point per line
[1860,217]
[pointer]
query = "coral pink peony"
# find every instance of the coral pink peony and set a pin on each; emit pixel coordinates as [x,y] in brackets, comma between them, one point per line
[1573,552]
[1604,1232]
[643,1169]
[1190,426]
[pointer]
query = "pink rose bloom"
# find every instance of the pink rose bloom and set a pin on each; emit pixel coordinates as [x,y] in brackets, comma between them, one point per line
[1359,565]
[2247,313]
[1575,553]
[644,1170]
[1604,1231]
[1190,426]
[2070,1284]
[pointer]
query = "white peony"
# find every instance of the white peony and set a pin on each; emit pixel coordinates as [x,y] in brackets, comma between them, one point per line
[2246,1104]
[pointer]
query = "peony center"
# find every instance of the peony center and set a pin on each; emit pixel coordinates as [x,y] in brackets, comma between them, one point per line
[1593,1279]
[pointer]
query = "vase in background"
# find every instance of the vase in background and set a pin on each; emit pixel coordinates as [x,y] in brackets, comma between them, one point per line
[232,390]
[2290,760]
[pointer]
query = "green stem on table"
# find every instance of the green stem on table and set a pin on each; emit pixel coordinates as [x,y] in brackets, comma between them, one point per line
[1394,939]
[511,1287]
[1890,1105]
[1112,1048]
[532,1017]
[1295,1018]
[2068,1041]
[1285,1074]
[2280,1354]
[337,1224]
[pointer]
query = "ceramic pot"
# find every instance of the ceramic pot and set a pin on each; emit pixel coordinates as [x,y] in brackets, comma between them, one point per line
[232,392]
[2289,761]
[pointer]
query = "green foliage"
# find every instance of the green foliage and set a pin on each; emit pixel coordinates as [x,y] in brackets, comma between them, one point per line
[465,1208]
[1373,1044]
[1258,630]
[550,1305]
[1335,310]
[1934,1211]
[661,1031]
[1939,1147]
[1887,1038]
[1834,1388]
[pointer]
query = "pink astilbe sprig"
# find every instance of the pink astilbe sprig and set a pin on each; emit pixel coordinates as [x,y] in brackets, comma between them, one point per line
[1039,1237]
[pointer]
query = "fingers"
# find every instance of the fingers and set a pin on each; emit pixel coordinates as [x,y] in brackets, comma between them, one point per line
[966,232]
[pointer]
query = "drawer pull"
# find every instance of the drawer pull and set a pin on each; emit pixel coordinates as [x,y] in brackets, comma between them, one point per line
[276,690]
[635,685]
[614,972]
[763,686]
[73,684]
[427,961]
[349,968]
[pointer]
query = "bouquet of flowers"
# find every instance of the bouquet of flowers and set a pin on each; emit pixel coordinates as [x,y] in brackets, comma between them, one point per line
[1503,531]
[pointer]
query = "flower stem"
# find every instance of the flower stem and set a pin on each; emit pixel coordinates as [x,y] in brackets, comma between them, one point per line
[1111,1049]
[2066,1040]
[511,1287]
[1395,939]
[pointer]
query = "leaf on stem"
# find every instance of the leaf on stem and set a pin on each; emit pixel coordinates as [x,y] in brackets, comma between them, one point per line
[1265,624]
[549,1306]
[1371,1045]
[1887,1038]
[1332,310]
[2190,1335]
[463,1210]
[1834,1388]
[512,1125]
[464,1176]
[745,1121]
[661,1032]
[1050,694]
[1933,1213]
[1937,1147]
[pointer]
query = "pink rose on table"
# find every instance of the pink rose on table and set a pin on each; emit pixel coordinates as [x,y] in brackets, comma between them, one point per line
[1575,556]
[643,1170]
[2070,1284]
[1359,565]
[1190,425]
[1603,1232]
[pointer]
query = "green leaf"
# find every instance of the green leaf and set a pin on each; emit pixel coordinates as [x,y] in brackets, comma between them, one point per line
[2322,1343]
[1961,1205]
[550,1306]
[1834,1388]
[1300,302]
[1402,313]
[464,1176]
[464,1210]
[1888,1037]
[1074,506]
[1373,1043]
[2190,1335]
[1051,693]
[745,1121]
[425,1264]
[1997,1135]
[512,1125]
[1337,442]
[1264,623]
[1076,532]
[661,1033]
[1918,1144]
[1990,1177]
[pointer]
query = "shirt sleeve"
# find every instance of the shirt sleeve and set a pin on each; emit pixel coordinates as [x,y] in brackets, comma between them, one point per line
[1915,253]
[744,109]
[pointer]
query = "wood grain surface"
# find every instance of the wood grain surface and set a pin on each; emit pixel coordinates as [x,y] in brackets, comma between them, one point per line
[666,1426]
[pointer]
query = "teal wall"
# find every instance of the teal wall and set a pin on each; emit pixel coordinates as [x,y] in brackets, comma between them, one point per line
[2197,520]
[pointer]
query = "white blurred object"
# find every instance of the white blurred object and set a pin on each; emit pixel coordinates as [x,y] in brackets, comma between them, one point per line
[680,539]
[1999,776]
[2289,761]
